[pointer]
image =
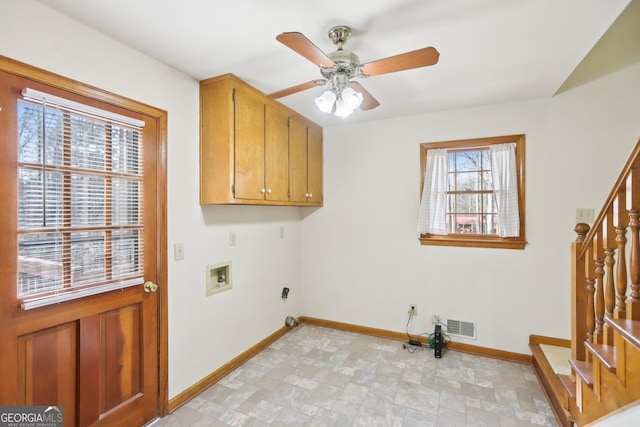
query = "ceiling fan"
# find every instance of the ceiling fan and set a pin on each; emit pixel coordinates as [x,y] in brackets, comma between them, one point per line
[339,68]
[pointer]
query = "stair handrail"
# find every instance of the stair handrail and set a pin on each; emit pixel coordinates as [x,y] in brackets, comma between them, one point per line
[633,162]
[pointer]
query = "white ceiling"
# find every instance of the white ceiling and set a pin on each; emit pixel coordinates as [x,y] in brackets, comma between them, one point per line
[491,51]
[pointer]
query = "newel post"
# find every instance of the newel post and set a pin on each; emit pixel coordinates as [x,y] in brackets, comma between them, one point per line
[578,294]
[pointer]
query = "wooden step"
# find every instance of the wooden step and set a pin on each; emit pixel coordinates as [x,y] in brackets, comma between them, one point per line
[629,329]
[569,384]
[584,370]
[551,384]
[606,354]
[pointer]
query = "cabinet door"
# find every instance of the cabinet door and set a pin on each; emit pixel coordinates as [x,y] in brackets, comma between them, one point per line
[314,166]
[276,158]
[249,144]
[297,161]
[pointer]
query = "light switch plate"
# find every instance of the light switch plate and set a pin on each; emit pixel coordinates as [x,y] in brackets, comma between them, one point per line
[178,251]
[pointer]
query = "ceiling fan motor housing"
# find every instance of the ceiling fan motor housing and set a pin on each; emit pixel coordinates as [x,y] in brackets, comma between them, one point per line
[345,62]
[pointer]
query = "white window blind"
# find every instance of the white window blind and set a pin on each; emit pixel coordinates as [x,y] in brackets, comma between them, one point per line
[80,217]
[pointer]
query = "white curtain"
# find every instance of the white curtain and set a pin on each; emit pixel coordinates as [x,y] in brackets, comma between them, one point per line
[505,186]
[432,215]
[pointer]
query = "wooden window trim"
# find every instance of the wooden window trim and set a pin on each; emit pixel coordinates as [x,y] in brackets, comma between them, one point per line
[480,240]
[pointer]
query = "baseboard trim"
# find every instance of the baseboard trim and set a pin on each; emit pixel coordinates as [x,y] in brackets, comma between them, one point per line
[400,336]
[225,369]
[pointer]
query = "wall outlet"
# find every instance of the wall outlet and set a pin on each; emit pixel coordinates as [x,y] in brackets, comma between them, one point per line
[585,215]
[413,309]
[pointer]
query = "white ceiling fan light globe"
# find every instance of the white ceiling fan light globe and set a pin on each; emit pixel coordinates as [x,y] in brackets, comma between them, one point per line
[342,110]
[325,101]
[352,99]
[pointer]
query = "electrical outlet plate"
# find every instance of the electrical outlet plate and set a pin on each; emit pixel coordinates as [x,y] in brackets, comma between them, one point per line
[413,309]
[585,215]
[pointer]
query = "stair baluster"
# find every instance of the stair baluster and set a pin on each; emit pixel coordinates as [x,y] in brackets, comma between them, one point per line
[633,302]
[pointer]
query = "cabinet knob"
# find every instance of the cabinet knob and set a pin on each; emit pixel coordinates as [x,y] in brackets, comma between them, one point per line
[306,194]
[310,195]
[263,191]
[269,191]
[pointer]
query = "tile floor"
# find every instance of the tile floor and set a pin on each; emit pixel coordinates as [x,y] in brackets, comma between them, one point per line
[315,376]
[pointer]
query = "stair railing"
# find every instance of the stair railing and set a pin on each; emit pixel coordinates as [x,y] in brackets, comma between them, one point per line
[604,283]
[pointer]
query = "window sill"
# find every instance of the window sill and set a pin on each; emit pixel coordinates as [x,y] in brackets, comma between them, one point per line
[472,241]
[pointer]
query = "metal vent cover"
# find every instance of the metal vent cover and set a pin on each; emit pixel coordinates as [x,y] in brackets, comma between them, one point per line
[461,328]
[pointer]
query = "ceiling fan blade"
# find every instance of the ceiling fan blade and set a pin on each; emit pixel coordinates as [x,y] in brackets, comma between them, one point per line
[405,61]
[368,101]
[299,43]
[297,88]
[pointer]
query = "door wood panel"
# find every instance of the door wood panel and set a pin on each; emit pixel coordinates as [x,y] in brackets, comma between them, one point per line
[276,154]
[46,370]
[249,144]
[120,347]
[297,161]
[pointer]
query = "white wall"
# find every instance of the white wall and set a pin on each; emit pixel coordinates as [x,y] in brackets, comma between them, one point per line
[357,259]
[362,262]
[204,333]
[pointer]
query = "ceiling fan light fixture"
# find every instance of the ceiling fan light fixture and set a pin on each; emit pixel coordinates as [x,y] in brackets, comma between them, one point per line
[351,98]
[342,109]
[325,101]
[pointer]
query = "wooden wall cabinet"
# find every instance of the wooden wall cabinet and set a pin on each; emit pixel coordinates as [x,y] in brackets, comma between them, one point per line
[254,150]
[305,163]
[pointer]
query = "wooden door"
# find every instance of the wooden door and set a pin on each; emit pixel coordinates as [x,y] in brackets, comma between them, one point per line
[96,356]
[276,154]
[249,144]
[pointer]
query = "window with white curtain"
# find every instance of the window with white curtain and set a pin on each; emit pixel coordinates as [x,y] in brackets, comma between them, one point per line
[80,216]
[473,193]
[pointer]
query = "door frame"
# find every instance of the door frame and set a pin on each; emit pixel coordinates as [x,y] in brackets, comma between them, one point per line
[42,76]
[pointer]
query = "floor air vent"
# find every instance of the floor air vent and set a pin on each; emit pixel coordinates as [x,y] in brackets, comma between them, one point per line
[461,328]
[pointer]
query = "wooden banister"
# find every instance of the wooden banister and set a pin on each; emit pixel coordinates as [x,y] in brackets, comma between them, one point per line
[605,274]
[633,162]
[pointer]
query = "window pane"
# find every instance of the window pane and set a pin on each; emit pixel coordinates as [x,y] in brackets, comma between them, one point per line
[468,203]
[87,200]
[31,143]
[487,181]
[127,254]
[87,257]
[39,263]
[126,210]
[32,202]
[468,181]
[88,139]
[126,152]
[468,224]
[468,161]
